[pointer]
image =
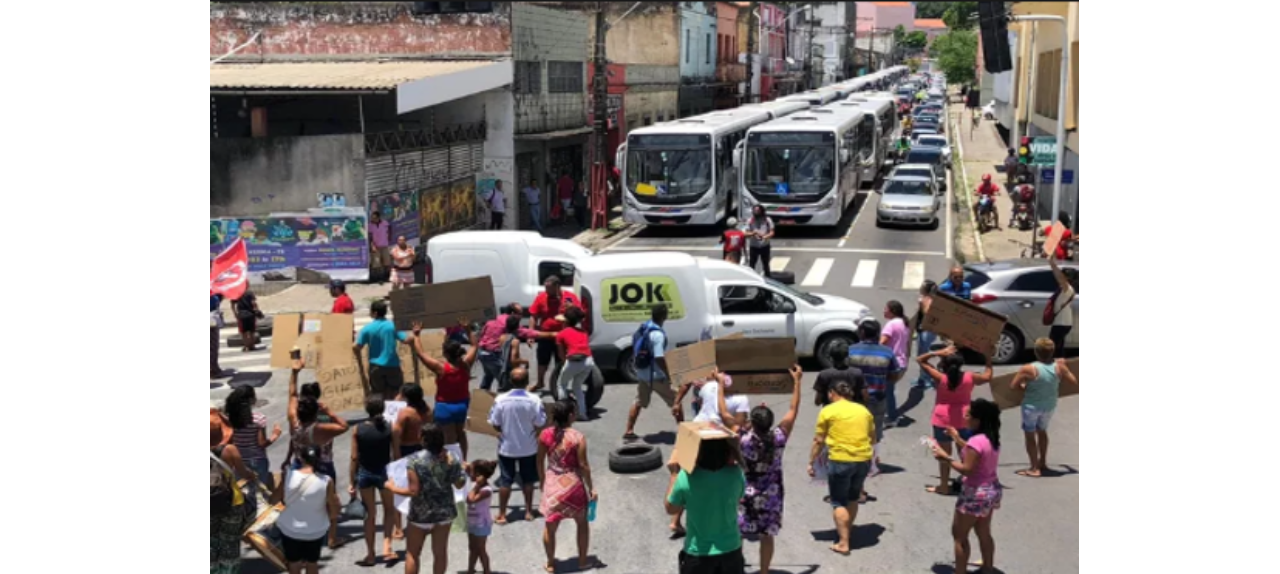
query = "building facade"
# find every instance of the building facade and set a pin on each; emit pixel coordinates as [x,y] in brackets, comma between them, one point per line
[730,71]
[699,51]
[885,15]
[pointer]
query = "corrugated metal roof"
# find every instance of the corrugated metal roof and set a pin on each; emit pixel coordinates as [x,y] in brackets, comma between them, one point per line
[330,75]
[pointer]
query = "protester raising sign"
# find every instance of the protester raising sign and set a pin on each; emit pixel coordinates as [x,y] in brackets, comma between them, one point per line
[228,276]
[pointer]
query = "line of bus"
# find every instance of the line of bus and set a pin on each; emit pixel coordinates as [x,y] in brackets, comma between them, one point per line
[681,172]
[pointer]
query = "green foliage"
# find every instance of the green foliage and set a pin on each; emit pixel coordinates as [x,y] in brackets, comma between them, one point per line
[957,55]
[898,34]
[913,64]
[961,15]
[931,10]
[913,41]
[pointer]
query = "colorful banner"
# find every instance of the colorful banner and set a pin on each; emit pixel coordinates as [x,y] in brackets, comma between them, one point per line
[320,243]
[448,207]
[402,210]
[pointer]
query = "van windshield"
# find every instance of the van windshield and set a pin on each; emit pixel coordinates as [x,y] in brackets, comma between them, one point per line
[806,297]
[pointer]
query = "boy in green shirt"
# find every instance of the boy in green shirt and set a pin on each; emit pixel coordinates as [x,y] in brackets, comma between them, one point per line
[709,498]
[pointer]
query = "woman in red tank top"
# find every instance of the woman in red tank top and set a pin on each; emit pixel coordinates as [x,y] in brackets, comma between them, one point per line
[453,382]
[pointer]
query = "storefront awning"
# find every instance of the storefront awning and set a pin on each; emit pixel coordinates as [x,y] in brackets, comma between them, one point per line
[416,84]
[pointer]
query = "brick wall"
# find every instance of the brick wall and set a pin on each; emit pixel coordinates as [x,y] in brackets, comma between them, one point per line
[301,30]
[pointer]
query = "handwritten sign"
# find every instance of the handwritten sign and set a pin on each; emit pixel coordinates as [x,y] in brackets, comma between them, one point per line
[341,388]
[1055,237]
[1007,397]
[325,339]
[969,325]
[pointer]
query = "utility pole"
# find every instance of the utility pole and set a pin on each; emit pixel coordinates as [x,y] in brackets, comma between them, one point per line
[808,56]
[752,24]
[600,94]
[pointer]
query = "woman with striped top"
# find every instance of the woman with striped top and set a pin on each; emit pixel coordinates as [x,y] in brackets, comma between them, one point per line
[249,434]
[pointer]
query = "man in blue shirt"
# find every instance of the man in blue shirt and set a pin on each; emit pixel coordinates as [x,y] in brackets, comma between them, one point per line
[879,366]
[381,335]
[955,285]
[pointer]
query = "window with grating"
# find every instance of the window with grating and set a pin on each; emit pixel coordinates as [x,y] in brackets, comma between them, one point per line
[565,77]
[528,77]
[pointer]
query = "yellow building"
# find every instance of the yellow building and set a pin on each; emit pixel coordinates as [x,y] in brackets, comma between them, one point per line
[1043,111]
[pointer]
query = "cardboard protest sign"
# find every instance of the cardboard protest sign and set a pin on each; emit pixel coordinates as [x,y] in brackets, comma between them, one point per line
[440,305]
[341,388]
[689,439]
[324,338]
[407,362]
[1007,397]
[758,365]
[1055,237]
[478,413]
[969,325]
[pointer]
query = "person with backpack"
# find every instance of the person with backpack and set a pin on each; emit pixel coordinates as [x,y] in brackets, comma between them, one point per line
[518,416]
[230,509]
[648,345]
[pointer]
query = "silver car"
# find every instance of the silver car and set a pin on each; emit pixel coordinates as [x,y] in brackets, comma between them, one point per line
[1019,289]
[909,200]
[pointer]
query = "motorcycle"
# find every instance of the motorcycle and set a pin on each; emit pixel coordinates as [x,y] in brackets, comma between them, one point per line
[1023,216]
[986,213]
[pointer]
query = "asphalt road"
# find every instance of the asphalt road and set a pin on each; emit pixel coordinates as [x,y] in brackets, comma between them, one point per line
[903,529]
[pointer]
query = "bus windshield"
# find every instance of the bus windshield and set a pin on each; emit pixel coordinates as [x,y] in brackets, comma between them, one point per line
[800,172]
[670,173]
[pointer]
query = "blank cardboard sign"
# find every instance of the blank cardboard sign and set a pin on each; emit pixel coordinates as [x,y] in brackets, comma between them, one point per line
[1008,397]
[478,413]
[969,325]
[1055,237]
[689,439]
[440,305]
[325,339]
[758,365]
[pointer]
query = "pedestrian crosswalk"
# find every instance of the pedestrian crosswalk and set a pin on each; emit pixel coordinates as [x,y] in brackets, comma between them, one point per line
[880,271]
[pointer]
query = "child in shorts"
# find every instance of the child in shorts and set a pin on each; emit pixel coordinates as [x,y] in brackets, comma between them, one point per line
[479,518]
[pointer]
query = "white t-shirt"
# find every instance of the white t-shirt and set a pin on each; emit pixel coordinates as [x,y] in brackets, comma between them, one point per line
[710,411]
[306,512]
[519,413]
[497,201]
[1062,306]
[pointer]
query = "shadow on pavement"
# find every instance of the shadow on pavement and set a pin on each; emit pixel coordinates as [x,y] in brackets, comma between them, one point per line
[941,568]
[664,437]
[807,569]
[862,536]
[251,379]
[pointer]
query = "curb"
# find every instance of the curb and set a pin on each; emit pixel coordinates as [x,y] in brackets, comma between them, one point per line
[968,194]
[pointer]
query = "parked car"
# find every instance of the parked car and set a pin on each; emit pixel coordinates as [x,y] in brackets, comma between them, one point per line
[929,123]
[911,200]
[938,142]
[919,130]
[1019,289]
[916,170]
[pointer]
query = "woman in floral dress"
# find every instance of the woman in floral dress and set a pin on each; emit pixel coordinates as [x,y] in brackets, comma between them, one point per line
[760,510]
[566,481]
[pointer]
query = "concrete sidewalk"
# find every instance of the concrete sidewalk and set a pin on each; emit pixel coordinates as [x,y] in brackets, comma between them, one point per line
[982,151]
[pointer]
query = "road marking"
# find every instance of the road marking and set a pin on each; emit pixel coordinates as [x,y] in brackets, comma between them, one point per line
[866,273]
[849,231]
[912,274]
[818,273]
[778,263]
[244,358]
[359,322]
[777,249]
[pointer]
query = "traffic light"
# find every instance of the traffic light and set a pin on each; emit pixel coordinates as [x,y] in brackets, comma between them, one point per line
[1024,151]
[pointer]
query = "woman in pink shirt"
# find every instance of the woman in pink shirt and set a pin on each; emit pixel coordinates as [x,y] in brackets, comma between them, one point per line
[896,336]
[982,491]
[955,390]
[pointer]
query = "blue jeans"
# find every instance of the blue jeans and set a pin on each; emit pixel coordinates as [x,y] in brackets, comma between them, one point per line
[845,481]
[924,342]
[892,411]
[491,364]
[535,216]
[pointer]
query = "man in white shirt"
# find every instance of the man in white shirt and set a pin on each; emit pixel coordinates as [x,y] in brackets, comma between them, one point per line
[707,402]
[533,196]
[497,205]
[518,415]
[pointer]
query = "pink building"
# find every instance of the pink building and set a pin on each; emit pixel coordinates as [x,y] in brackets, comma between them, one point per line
[772,48]
[932,28]
[887,15]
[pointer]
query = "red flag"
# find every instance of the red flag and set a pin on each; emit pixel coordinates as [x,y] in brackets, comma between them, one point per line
[229,275]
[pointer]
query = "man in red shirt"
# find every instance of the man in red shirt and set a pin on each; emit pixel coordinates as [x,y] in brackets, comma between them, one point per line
[733,240]
[991,190]
[341,301]
[1060,252]
[547,311]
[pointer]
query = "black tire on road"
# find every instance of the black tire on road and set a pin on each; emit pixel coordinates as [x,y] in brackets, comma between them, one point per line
[627,368]
[595,391]
[635,459]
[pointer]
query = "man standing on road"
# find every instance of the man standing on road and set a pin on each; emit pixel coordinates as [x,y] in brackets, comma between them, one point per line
[491,342]
[380,242]
[547,311]
[879,366]
[381,335]
[839,371]
[402,256]
[342,302]
[518,416]
[1010,168]
[651,368]
[955,285]
[497,201]
[215,327]
[533,197]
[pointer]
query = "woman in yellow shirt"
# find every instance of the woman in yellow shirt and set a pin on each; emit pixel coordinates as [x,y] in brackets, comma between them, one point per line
[847,429]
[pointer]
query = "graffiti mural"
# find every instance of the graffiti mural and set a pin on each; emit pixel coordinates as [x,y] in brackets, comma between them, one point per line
[448,207]
[402,210]
[322,243]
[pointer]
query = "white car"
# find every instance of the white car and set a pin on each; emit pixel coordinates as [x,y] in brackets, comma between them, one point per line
[936,141]
[914,170]
[909,200]
[989,110]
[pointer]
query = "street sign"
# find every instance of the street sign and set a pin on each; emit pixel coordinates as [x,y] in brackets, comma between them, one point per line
[1068,176]
[1044,150]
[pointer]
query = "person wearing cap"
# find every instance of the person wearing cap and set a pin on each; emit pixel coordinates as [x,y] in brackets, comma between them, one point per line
[733,240]
[341,301]
[991,190]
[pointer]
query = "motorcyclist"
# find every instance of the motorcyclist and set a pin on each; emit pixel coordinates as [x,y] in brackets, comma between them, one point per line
[1024,193]
[991,190]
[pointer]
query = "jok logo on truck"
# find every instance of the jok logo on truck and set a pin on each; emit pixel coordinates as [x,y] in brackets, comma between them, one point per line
[630,299]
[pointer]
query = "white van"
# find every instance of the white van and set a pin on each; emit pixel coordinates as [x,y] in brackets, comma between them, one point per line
[703,296]
[517,261]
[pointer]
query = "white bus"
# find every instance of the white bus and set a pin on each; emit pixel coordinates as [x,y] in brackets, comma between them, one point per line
[883,107]
[816,98]
[805,169]
[681,172]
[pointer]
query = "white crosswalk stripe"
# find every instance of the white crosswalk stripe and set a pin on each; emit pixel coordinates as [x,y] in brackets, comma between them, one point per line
[779,263]
[818,272]
[865,275]
[912,274]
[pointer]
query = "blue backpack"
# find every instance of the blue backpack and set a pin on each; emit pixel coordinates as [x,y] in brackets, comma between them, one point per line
[642,346]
